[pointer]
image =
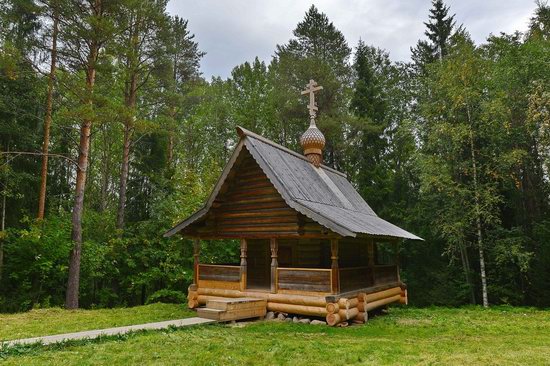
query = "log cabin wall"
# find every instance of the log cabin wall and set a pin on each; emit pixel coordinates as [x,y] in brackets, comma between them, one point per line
[249,206]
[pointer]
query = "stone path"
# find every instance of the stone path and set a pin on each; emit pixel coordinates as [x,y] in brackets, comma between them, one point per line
[90,334]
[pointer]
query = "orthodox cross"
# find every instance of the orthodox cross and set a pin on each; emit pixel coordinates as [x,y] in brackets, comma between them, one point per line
[311,88]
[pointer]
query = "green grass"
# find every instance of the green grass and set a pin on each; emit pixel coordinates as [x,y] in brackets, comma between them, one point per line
[56,321]
[407,336]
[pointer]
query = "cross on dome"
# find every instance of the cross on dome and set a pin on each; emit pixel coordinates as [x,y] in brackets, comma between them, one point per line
[313,140]
[311,88]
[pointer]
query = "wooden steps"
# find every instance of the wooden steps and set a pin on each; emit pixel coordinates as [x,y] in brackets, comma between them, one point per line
[233,309]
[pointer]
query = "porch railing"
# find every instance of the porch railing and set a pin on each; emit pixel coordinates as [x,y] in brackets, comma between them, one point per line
[216,272]
[385,274]
[304,279]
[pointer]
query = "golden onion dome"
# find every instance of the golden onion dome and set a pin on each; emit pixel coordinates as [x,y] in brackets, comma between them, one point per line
[313,141]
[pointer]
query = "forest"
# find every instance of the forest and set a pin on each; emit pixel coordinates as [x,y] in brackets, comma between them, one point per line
[109,135]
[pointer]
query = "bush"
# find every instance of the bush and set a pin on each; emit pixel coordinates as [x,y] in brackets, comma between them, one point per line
[167,296]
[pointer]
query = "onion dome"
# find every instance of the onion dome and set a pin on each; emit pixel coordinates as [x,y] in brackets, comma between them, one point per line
[313,141]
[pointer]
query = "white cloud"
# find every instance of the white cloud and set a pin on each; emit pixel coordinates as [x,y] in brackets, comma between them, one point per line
[235,31]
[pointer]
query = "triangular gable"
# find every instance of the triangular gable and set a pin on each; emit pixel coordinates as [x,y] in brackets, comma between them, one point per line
[321,194]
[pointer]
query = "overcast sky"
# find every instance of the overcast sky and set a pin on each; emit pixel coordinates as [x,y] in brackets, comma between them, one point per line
[234,31]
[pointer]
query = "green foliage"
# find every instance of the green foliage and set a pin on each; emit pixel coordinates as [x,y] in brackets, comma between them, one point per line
[167,296]
[407,135]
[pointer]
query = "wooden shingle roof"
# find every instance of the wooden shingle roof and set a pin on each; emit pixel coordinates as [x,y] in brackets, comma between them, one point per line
[322,194]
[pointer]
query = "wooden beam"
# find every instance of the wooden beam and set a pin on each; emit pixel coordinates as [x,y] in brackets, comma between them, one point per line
[196,254]
[367,290]
[370,250]
[397,260]
[335,275]
[244,246]
[274,245]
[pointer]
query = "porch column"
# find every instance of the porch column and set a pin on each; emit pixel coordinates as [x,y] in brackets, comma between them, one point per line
[274,264]
[243,264]
[335,273]
[396,247]
[196,253]
[370,250]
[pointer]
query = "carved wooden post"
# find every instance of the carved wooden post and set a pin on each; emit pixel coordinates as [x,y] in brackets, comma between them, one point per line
[370,249]
[274,264]
[335,273]
[396,246]
[196,253]
[243,264]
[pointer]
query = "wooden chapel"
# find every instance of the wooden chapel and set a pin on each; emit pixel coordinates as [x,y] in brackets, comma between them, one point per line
[310,244]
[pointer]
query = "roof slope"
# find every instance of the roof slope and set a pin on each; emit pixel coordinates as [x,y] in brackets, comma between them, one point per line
[322,194]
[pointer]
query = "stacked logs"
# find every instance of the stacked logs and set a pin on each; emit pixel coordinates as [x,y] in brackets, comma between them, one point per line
[340,312]
[356,309]
[192,297]
[345,310]
[286,303]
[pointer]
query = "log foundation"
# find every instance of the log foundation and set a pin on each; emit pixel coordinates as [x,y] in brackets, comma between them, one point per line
[343,310]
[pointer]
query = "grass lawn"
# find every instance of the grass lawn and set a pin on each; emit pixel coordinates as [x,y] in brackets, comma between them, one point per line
[56,321]
[408,336]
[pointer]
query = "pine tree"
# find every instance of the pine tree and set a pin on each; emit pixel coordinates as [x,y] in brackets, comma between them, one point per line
[140,46]
[318,51]
[87,28]
[369,105]
[439,31]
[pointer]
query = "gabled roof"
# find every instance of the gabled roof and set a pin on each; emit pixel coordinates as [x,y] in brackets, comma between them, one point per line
[322,194]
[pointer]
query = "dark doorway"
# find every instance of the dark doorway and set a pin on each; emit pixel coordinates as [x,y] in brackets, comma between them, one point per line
[259,265]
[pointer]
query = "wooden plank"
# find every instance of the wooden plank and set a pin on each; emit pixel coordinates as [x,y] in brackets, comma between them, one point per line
[251,192]
[257,228]
[239,303]
[304,287]
[225,285]
[269,212]
[219,273]
[259,220]
[306,280]
[368,290]
[303,293]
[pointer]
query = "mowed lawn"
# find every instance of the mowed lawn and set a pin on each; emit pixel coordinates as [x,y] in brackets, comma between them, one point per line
[56,321]
[404,336]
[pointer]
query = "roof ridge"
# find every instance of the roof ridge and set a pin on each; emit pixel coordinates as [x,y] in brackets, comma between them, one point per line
[244,132]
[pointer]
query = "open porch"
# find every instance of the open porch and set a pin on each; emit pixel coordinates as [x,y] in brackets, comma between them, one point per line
[337,279]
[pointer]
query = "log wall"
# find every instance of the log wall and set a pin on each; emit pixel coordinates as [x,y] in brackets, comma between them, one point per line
[249,206]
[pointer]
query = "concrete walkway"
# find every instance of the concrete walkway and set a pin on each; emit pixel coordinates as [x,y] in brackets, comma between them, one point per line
[90,334]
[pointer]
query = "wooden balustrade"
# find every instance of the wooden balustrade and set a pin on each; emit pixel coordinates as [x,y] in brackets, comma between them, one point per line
[385,274]
[304,279]
[352,278]
[216,272]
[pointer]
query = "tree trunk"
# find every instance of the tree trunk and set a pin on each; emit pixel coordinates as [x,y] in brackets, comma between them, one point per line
[478,218]
[130,97]
[466,268]
[2,228]
[48,120]
[104,174]
[71,301]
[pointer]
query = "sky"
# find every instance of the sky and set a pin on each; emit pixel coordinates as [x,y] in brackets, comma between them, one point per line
[234,31]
